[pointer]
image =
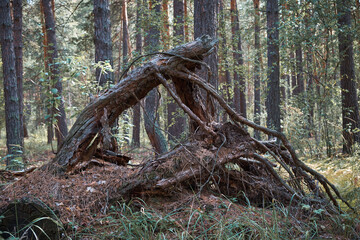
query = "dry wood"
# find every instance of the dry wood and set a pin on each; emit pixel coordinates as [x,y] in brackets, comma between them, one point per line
[205,160]
[85,135]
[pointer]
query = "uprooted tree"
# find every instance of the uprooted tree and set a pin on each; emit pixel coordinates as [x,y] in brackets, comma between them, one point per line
[221,157]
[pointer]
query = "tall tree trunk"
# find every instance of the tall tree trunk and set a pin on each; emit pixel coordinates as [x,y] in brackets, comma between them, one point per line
[18,46]
[176,123]
[12,106]
[102,40]
[103,53]
[136,109]
[179,22]
[152,43]
[126,51]
[257,68]
[205,22]
[186,26]
[59,111]
[50,130]
[165,36]
[350,108]
[273,88]
[310,74]
[294,84]
[239,79]
[224,75]
[299,70]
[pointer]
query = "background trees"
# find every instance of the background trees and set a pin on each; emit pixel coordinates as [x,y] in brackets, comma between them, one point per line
[12,106]
[309,90]
[349,99]
[273,70]
[57,103]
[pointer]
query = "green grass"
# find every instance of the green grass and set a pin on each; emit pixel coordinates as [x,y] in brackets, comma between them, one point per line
[130,221]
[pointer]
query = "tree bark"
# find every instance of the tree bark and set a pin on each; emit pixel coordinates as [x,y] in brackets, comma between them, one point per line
[136,109]
[87,132]
[349,99]
[50,130]
[186,25]
[152,44]
[310,91]
[57,111]
[205,22]
[299,89]
[294,84]
[224,73]
[12,106]
[175,121]
[102,40]
[273,88]
[239,79]
[257,68]
[18,46]
[126,52]
[165,36]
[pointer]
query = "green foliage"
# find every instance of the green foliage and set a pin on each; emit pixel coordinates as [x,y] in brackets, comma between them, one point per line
[136,220]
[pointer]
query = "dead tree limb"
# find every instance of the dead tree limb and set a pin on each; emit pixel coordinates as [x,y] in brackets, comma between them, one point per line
[325,183]
[85,135]
[179,66]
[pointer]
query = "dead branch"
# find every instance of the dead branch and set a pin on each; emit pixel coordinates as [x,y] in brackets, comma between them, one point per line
[325,183]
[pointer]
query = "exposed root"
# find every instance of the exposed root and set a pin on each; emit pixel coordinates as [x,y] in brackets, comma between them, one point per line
[220,157]
[297,163]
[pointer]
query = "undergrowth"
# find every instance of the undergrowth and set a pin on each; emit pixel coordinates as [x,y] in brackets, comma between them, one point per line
[137,220]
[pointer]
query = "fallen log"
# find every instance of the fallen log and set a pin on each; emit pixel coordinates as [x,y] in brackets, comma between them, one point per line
[220,157]
[178,65]
[85,135]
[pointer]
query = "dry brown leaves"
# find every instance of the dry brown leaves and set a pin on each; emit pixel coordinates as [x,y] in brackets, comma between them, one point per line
[75,197]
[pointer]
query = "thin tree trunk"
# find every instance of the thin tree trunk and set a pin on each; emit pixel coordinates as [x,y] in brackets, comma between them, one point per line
[205,22]
[102,40]
[12,106]
[152,43]
[176,123]
[239,79]
[257,68]
[50,130]
[273,88]
[126,51]
[18,46]
[299,70]
[136,109]
[59,111]
[294,84]
[350,108]
[224,76]
[165,36]
[310,75]
[186,26]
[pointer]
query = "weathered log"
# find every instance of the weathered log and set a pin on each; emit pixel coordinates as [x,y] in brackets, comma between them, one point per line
[29,219]
[85,135]
[205,160]
[112,157]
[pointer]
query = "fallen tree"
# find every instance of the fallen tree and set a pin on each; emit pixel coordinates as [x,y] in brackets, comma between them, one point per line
[220,157]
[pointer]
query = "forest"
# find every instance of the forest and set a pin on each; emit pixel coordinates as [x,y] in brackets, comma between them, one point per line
[183,119]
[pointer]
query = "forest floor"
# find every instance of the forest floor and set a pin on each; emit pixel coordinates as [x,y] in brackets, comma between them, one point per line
[182,215]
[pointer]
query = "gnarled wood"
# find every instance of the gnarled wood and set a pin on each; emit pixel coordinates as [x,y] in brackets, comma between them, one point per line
[85,135]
